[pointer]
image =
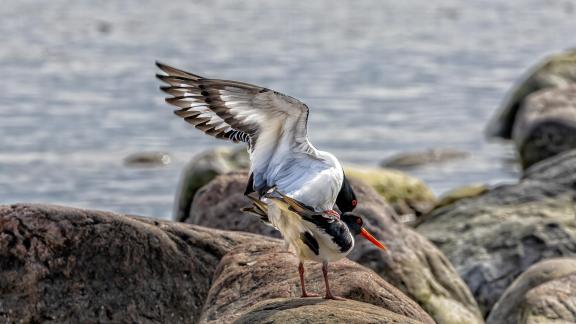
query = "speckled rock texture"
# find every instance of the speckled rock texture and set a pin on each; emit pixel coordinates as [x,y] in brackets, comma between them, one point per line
[67,265]
[494,237]
[545,293]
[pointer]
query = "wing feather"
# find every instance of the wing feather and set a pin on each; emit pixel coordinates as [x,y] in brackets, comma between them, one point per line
[241,111]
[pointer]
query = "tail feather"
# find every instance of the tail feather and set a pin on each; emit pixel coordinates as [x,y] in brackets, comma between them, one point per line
[259,208]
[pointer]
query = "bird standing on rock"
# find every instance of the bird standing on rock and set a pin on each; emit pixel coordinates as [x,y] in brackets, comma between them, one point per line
[296,185]
[311,235]
[273,125]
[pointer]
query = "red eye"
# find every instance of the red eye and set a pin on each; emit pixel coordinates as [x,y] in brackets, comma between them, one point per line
[354,202]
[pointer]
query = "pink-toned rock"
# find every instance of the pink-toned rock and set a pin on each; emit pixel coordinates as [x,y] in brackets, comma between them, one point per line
[258,272]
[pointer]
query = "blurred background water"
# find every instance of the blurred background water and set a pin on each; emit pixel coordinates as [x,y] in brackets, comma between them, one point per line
[381,77]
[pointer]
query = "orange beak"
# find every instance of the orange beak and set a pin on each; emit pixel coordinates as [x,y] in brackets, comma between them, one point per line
[372,239]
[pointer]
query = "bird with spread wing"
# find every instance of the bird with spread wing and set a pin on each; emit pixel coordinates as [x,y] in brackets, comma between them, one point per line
[282,159]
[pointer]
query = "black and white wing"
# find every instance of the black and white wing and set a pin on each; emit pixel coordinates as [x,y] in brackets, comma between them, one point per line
[234,110]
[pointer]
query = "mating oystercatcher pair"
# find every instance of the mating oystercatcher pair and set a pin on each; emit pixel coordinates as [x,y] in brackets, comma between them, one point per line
[293,186]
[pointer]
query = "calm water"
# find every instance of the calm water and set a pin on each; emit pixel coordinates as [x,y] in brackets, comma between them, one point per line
[78,92]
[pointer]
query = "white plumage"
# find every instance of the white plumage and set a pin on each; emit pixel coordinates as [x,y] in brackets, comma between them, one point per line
[272,124]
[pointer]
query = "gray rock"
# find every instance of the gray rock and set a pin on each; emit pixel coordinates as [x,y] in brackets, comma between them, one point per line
[558,70]
[546,124]
[263,272]
[201,170]
[67,265]
[494,237]
[413,265]
[316,311]
[147,159]
[530,294]
[410,160]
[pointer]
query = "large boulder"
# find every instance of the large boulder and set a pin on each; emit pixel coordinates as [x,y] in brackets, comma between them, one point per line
[494,237]
[413,264]
[546,289]
[546,124]
[262,272]
[556,71]
[67,265]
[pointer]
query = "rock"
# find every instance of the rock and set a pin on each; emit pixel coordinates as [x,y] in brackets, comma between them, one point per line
[555,71]
[491,239]
[317,311]
[414,265]
[552,302]
[201,170]
[67,265]
[407,195]
[261,273]
[460,193]
[147,159]
[540,290]
[417,159]
[546,124]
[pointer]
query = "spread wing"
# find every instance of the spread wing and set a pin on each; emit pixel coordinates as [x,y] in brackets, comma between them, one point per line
[237,111]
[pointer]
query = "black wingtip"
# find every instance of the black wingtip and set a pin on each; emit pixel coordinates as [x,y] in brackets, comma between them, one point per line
[160,65]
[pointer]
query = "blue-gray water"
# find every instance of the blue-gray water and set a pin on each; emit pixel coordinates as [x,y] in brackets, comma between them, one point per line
[381,77]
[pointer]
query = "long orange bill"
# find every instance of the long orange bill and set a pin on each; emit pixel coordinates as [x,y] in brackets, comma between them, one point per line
[372,239]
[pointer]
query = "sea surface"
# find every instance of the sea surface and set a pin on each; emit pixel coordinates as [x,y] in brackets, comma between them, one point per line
[78,92]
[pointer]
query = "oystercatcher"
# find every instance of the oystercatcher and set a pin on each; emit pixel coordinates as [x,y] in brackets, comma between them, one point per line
[274,126]
[311,235]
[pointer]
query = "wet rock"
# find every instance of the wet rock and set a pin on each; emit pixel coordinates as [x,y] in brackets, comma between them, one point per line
[261,273]
[67,265]
[147,159]
[201,170]
[491,239]
[411,160]
[544,291]
[317,311]
[555,71]
[414,265]
[546,124]
[408,195]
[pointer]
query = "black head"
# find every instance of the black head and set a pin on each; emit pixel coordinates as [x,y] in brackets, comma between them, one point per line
[353,221]
[356,226]
[346,200]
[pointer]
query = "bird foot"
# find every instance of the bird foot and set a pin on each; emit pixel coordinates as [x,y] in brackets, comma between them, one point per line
[332,212]
[306,295]
[334,297]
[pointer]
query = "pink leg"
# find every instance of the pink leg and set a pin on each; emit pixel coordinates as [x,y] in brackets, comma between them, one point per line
[333,213]
[328,292]
[302,286]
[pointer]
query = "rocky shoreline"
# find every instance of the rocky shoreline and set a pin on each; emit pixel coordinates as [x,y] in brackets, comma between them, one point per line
[504,254]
